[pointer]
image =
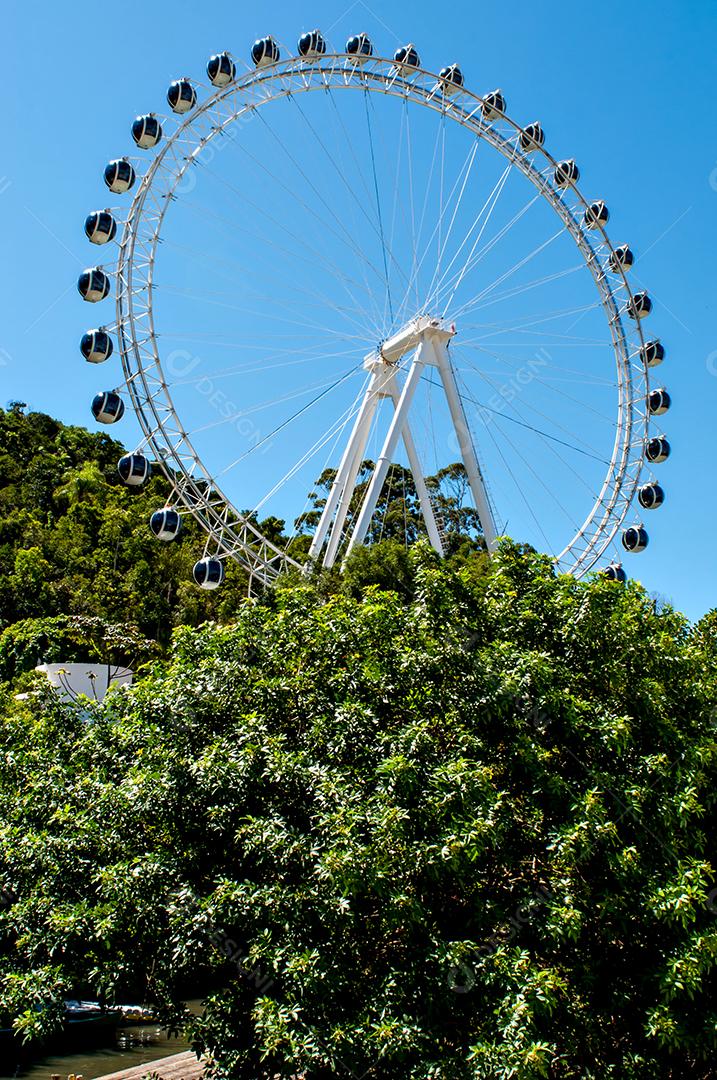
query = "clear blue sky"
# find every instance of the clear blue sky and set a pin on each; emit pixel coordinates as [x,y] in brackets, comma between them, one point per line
[628,90]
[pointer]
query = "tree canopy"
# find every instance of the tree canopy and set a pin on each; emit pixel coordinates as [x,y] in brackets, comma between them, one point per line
[74,541]
[398,513]
[459,831]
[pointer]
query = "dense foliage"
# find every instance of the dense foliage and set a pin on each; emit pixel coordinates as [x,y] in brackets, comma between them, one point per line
[398,513]
[75,541]
[463,832]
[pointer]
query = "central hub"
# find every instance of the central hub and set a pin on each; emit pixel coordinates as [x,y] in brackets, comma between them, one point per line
[409,338]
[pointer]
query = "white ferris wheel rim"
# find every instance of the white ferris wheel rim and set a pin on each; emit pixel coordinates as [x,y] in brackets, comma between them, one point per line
[229,532]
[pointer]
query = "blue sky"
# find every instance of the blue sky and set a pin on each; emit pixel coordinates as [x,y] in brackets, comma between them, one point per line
[625,89]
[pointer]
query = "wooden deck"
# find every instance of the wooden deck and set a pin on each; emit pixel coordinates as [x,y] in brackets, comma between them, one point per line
[176,1067]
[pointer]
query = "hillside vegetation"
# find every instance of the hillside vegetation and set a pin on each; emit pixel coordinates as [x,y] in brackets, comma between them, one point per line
[75,541]
[83,578]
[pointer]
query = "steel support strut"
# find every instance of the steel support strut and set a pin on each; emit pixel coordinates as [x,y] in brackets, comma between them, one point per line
[424,498]
[465,442]
[427,339]
[343,485]
[389,448]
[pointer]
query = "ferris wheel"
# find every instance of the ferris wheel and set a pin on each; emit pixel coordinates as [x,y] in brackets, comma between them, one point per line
[332,261]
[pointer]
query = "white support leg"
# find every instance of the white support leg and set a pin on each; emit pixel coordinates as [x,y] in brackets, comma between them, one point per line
[417,472]
[348,488]
[389,447]
[354,450]
[465,442]
[428,336]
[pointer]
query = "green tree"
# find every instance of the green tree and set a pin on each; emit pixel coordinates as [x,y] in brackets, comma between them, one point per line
[28,581]
[398,511]
[462,836]
[74,540]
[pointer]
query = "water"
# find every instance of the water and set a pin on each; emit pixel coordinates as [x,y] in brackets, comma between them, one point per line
[131,1046]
